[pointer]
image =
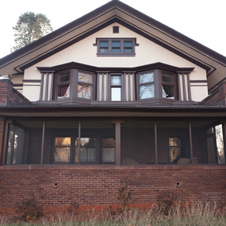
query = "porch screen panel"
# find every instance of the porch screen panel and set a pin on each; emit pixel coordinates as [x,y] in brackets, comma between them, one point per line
[15,145]
[173,142]
[208,142]
[138,142]
[60,138]
[97,144]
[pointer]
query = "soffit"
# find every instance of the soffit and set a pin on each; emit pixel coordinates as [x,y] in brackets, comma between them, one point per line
[116,11]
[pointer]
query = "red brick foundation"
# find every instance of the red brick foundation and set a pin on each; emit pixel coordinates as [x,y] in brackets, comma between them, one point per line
[98,185]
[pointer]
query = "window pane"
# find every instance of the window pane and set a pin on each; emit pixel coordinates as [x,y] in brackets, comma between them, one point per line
[167,92]
[128,47]
[85,91]
[84,77]
[116,46]
[62,154]
[128,44]
[16,142]
[147,77]
[108,154]
[220,144]
[167,78]
[87,141]
[62,141]
[103,47]
[116,94]
[115,80]
[63,91]
[64,77]
[147,91]
[87,154]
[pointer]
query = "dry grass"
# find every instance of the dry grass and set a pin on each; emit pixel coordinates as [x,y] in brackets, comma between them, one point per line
[192,214]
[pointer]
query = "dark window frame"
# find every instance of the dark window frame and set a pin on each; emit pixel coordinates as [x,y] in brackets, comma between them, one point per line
[122,86]
[93,84]
[73,83]
[121,40]
[58,84]
[138,84]
[175,84]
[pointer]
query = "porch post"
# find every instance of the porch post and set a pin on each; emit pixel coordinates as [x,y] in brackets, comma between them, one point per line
[224,137]
[190,139]
[79,140]
[5,141]
[43,140]
[156,144]
[117,143]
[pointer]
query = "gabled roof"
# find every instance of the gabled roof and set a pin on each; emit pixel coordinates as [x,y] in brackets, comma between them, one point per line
[116,11]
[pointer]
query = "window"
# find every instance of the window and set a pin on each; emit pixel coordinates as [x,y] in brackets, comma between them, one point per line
[85,85]
[168,86]
[174,149]
[115,47]
[63,85]
[74,84]
[62,149]
[146,87]
[87,149]
[116,87]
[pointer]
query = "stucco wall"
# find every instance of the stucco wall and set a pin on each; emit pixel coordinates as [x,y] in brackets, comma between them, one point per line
[85,52]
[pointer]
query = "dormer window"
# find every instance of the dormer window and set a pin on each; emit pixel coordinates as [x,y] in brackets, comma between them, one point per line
[116,46]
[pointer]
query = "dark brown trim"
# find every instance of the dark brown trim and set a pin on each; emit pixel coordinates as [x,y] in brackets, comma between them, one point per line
[18,84]
[188,86]
[51,87]
[98,87]
[190,141]
[156,143]
[216,85]
[47,87]
[5,140]
[129,88]
[102,88]
[198,81]
[41,88]
[32,80]
[43,140]
[118,143]
[184,88]
[79,140]
[90,68]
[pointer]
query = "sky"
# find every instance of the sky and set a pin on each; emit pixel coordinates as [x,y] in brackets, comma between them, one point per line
[201,20]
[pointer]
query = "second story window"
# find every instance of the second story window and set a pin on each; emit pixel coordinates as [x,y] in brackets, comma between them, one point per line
[168,86]
[146,87]
[116,47]
[63,85]
[85,85]
[116,87]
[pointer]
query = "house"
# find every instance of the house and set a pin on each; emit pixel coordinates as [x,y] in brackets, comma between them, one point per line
[113,95]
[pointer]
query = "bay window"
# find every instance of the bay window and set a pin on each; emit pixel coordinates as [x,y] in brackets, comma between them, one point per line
[146,87]
[63,85]
[116,87]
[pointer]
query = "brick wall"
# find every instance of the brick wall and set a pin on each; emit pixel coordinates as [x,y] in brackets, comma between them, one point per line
[10,96]
[2,129]
[98,185]
[218,96]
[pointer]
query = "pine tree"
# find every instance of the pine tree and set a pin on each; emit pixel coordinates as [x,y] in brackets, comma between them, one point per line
[30,27]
